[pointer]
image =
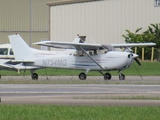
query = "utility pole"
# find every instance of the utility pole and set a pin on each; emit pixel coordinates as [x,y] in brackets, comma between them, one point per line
[30,31]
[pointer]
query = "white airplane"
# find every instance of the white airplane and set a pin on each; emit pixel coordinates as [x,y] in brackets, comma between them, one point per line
[83,56]
[7,61]
[6,54]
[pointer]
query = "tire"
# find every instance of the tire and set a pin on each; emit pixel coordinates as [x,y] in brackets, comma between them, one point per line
[121,77]
[82,76]
[107,76]
[34,76]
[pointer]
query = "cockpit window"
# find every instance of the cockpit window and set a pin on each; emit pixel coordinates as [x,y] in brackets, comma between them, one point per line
[3,51]
[11,52]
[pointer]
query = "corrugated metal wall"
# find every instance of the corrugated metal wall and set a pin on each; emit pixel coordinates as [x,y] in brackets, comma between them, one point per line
[29,18]
[101,21]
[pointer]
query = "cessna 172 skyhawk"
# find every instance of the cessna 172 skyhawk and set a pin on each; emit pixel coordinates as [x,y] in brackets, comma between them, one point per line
[83,56]
[7,61]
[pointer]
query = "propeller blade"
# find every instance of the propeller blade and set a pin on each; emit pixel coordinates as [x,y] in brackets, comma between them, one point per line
[137,61]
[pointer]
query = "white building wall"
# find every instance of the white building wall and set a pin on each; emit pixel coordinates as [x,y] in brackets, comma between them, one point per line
[101,21]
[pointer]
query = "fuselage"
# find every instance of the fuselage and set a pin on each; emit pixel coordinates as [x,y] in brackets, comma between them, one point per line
[112,60]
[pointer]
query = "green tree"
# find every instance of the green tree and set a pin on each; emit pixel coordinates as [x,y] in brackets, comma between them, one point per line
[152,34]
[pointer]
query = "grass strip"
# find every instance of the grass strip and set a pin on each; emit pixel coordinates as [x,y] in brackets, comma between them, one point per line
[147,69]
[59,112]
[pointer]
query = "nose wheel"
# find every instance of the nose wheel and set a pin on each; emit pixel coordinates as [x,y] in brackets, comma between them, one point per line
[121,77]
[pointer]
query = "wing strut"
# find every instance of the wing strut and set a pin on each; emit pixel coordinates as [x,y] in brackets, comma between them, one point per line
[91,57]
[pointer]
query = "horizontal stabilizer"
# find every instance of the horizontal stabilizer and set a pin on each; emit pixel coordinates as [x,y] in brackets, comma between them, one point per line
[5,66]
[27,61]
[20,66]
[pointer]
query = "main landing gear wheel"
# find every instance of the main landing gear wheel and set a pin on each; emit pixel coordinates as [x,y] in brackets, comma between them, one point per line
[121,77]
[34,76]
[82,76]
[107,76]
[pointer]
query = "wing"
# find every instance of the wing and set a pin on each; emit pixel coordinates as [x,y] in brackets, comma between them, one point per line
[69,45]
[87,46]
[132,45]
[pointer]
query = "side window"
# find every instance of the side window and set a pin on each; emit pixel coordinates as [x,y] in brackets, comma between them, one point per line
[78,53]
[3,51]
[93,52]
[11,52]
[103,51]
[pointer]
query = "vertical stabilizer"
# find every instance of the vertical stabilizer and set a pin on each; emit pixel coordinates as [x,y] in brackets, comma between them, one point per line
[79,39]
[76,40]
[20,48]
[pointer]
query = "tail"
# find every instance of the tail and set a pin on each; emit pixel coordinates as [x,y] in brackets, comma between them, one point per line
[79,39]
[20,48]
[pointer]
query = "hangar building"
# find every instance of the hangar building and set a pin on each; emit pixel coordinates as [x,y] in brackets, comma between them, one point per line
[29,18]
[102,21]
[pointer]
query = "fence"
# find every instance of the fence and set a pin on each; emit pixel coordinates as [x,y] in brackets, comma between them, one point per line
[152,53]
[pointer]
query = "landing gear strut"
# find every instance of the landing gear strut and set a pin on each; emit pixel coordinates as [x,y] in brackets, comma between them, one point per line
[121,77]
[107,76]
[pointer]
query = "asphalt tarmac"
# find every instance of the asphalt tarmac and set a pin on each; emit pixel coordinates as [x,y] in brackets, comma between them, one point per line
[146,80]
[81,94]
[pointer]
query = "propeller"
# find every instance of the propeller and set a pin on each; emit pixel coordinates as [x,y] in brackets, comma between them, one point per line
[137,61]
[135,57]
[136,67]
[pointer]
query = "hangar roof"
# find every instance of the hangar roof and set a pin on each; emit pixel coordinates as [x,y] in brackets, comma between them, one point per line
[62,2]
